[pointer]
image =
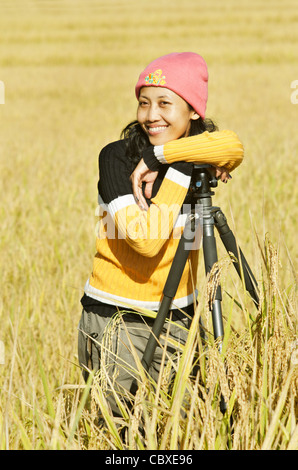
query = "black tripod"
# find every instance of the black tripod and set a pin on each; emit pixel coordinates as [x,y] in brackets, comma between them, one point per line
[201,203]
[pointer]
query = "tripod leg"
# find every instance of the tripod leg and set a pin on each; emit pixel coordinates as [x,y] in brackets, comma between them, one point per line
[230,244]
[210,257]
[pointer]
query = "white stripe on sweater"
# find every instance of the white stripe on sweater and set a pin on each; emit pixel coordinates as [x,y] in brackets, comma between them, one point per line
[132,303]
[178,177]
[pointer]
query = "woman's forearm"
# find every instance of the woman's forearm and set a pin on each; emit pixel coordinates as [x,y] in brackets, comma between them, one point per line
[220,148]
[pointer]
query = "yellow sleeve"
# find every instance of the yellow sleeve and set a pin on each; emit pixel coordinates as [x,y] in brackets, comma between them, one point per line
[220,148]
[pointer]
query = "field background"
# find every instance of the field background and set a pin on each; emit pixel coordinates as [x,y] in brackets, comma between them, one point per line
[69,70]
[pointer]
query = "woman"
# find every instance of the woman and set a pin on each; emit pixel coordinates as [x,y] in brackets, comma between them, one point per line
[144,180]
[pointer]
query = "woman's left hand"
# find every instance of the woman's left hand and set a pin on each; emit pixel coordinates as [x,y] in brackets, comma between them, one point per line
[222,173]
[140,175]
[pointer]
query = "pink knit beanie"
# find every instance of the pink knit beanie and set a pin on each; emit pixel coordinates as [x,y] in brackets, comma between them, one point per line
[185,73]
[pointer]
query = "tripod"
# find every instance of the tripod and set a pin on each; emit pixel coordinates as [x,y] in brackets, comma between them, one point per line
[201,203]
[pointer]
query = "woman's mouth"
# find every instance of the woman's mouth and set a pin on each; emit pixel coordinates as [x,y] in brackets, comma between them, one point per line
[153,130]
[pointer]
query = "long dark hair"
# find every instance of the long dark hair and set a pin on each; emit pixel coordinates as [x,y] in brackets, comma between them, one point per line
[136,140]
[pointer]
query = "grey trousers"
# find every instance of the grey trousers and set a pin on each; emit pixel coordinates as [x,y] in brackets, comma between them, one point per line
[105,345]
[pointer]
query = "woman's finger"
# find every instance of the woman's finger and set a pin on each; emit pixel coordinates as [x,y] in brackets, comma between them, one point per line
[141,175]
[140,200]
[138,193]
[222,173]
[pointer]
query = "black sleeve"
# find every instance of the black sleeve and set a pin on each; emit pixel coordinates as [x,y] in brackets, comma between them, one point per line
[113,172]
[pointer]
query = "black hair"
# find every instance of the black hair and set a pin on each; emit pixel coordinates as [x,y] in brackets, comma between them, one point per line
[136,140]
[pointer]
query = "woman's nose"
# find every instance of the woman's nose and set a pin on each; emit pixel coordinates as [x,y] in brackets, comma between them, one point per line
[153,113]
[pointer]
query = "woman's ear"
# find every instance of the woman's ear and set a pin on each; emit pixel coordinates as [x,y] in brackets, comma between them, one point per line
[194,116]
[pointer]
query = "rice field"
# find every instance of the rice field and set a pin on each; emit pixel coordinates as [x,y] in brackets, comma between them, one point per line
[67,74]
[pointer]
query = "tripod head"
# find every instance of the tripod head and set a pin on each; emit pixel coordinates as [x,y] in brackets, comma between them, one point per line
[203,178]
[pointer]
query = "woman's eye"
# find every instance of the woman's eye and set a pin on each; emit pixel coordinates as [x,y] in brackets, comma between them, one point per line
[143,103]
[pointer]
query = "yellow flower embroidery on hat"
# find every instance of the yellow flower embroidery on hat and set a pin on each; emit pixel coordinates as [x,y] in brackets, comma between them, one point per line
[155,78]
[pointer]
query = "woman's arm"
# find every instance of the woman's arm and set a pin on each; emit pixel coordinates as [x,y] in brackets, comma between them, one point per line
[220,149]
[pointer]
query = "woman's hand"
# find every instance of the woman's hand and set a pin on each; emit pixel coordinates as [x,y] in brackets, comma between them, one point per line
[140,175]
[222,173]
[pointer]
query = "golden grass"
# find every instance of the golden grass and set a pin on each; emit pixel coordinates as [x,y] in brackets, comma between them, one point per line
[69,69]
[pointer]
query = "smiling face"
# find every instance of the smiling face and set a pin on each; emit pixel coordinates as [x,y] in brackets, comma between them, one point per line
[163,115]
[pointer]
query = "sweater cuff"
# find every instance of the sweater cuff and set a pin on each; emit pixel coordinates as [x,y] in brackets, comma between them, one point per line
[150,159]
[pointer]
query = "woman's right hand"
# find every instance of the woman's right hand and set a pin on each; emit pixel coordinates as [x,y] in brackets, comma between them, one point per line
[140,175]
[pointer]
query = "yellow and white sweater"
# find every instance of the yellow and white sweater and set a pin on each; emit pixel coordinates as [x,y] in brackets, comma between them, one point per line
[135,248]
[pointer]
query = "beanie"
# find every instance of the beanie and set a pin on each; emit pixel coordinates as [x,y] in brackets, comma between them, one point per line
[185,73]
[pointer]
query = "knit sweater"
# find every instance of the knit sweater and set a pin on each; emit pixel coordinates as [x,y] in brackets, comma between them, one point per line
[134,247]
